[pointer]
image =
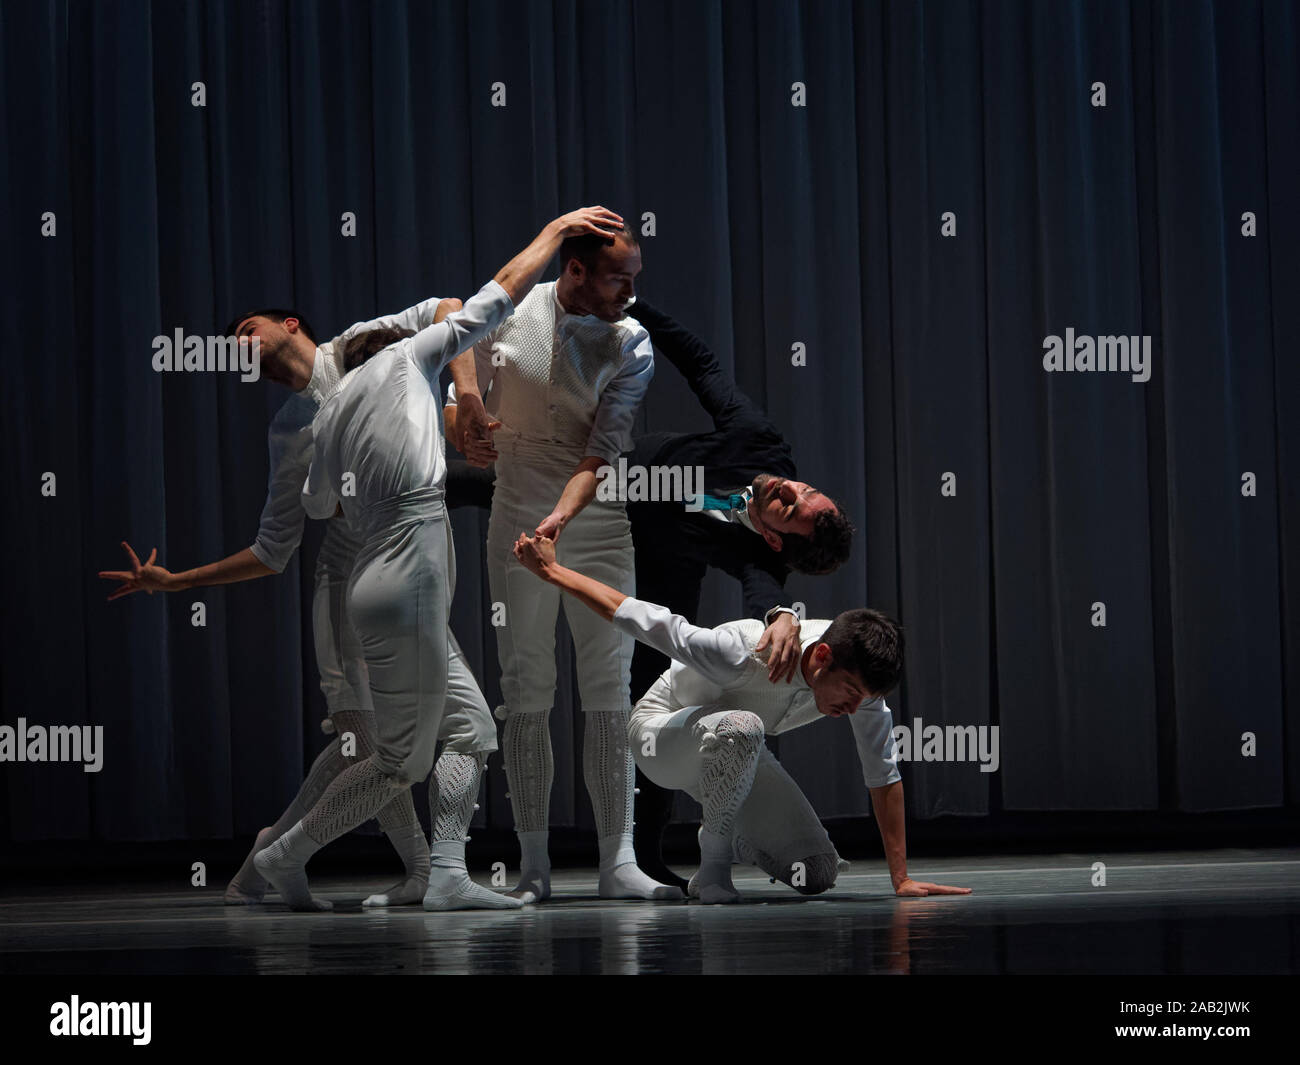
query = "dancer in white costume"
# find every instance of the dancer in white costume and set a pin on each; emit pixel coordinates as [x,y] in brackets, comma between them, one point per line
[701,725]
[562,379]
[379,458]
[468,733]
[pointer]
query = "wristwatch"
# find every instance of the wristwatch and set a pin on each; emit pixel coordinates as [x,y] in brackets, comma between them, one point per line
[771,614]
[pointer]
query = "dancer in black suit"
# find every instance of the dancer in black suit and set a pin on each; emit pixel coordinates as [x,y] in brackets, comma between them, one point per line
[766,523]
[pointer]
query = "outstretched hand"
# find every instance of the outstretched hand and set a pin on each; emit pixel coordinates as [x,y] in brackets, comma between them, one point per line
[140,577]
[910,888]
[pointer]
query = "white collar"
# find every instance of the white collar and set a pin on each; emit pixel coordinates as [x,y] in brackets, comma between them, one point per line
[324,378]
[561,314]
[742,514]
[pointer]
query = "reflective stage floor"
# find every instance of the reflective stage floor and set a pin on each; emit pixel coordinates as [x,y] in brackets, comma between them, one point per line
[1215,912]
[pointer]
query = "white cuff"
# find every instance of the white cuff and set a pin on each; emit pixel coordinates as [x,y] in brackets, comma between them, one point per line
[768,617]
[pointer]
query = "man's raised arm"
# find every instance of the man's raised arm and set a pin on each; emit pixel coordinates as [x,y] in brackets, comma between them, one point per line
[519,275]
[720,655]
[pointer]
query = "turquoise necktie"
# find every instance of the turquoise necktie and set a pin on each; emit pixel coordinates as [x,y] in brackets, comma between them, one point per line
[732,502]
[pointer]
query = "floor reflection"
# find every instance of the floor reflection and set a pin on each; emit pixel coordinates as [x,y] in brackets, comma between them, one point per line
[1223,913]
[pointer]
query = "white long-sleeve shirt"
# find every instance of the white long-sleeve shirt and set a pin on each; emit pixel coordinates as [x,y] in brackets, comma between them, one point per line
[289,440]
[563,381]
[383,423]
[718,667]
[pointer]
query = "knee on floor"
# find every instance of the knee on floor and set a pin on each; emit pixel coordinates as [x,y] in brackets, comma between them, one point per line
[814,874]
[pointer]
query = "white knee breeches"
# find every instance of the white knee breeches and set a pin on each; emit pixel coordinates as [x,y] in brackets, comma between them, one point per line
[776,818]
[467,726]
[598,543]
[398,599]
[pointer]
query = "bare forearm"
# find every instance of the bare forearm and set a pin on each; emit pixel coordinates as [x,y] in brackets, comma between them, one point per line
[580,490]
[242,566]
[887,805]
[464,375]
[521,273]
[601,598]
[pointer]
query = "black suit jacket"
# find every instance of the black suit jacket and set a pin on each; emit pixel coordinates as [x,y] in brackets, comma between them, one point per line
[742,444]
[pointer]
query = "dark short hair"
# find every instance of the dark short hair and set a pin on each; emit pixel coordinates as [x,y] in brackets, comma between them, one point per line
[364,345]
[826,550]
[275,314]
[586,247]
[868,644]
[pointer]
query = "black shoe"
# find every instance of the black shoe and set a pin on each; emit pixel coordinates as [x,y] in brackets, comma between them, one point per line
[660,872]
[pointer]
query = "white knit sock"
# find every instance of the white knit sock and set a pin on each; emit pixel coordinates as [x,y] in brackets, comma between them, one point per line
[622,878]
[731,752]
[397,818]
[453,795]
[452,790]
[530,769]
[712,884]
[450,887]
[357,795]
[609,773]
[247,886]
[284,863]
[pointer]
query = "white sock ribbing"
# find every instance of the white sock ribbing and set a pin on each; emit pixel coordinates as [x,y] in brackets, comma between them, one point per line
[609,772]
[450,887]
[622,878]
[615,850]
[712,884]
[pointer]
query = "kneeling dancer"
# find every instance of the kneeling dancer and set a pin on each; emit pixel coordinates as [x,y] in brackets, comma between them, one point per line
[701,725]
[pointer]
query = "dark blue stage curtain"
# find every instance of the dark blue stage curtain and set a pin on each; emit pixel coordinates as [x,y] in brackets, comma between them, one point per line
[1002,508]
